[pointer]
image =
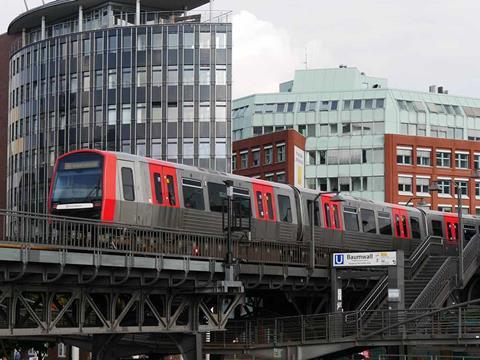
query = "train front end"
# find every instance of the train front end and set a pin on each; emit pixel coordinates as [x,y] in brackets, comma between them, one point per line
[83,185]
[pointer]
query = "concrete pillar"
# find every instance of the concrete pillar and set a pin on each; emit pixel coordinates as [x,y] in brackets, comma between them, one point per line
[336,291]
[24,37]
[80,18]
[44,29]
[396,280]
[137,13]
[75,353]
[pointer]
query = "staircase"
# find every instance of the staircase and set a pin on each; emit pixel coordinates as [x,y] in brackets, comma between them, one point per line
[422,277]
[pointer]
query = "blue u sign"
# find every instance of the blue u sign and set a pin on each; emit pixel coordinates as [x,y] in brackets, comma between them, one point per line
[339,259]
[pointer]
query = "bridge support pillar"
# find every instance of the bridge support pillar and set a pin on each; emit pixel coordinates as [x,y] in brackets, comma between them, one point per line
[396,284]
[336,291]
[191,346]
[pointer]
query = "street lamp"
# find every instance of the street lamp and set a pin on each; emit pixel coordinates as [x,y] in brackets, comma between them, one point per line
[421,203]
[434,187]
[336,198]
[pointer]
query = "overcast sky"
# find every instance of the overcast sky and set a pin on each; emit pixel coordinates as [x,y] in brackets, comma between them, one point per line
[412,43]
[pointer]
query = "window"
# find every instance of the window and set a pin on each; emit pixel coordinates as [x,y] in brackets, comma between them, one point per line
[477,189]
[443,187]
[205,39]
[128,185]
[234,161]
[193,194]
[423,157]
[268,155]
[261,213]
[422,185]
[172,200]
[112,79]
[404,184]
[126,77]
[217,193]
[157,180]
[368,221]
[280,153]
[126,114]
[462,187]
[141,113]
[415,225]
[281,177]
[269,205]
[244,160]
[351,218]
[316,211]
[256,157]
[384,223]
[437,228]
[461,160]
[357,104]
[333,129]
[141,76]
[404,156]
[285,208]
[443,158]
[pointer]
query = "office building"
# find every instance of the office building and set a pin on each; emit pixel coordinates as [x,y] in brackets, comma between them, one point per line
[345,116]
[146,77]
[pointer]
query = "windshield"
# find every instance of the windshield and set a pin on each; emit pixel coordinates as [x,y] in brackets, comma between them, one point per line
[78,179]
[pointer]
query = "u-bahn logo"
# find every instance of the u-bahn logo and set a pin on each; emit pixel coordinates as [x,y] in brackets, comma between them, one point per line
[339,259]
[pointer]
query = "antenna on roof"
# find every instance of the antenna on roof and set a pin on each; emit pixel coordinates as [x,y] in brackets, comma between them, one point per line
[26,6]
[306,59]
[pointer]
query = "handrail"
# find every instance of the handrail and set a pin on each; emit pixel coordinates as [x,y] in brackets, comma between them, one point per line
[437,283]
[374,297]
[471,252]
[416,258]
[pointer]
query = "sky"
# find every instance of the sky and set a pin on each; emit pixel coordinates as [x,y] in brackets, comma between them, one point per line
[413,43]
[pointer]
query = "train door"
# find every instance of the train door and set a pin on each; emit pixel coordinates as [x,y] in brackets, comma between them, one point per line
[400,222]
[265,202]
[451,229]
[128,202]
[331,213]
[163,180]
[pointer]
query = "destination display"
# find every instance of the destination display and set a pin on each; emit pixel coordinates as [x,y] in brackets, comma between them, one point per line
[381,258]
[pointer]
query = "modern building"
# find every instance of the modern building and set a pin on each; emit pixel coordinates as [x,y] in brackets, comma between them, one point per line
[141,76]
[279,157]
[346,115]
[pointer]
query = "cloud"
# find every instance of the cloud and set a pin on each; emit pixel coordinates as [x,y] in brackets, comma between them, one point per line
[263,55]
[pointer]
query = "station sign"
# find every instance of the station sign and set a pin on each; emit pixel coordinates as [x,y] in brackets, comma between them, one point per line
[358,259]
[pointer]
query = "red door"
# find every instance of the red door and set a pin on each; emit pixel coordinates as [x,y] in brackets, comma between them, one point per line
[163,180]
[401,224]
[331,213]
[264,202]
[451,228]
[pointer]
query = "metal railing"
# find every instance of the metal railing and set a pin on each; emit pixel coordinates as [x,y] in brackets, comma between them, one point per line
[449,323]
[46,231]
[471,254]
[421,252]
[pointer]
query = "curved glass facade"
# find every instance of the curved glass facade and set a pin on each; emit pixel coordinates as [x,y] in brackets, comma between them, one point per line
[161,90]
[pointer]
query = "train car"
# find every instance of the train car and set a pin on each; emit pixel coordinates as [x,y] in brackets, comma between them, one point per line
[128,189]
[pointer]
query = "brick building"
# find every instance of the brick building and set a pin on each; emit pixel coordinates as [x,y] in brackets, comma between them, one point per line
[277,156]
[413,162]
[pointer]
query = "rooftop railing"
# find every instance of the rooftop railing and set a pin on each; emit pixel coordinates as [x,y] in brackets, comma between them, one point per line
[124,20]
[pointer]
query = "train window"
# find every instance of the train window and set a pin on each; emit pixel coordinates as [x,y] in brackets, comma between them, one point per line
[404,225]
[285,208]
[397,226]
[351,219]
[368,221]
[260,204]
[269,205]
[327,215]
[316,211]
[241,200]
[193,194]
[415,224]
[336,218]
[157,183]
[468,232]
[217,193]
[384,223]
[171,190]
[450,235]
[437,228]
[127,183]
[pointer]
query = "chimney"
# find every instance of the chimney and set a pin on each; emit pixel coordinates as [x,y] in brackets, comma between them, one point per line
[440,89]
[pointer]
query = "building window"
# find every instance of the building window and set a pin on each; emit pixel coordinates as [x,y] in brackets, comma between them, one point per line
[462,187]
[268,155]
[270,177]
[423,157]
[126,114]
[234,162]
[256,157]
[404,185]
[443,187]
[281,153]
[244,160]
[461,160]
[112,79]
[404,156]
[443,158]
[126,77]
[281,177]
[141,113]
[477,189]
[422,185]
[322,184]
[476,161]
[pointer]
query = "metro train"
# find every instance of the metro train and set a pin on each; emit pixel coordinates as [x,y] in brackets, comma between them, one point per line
[127,189]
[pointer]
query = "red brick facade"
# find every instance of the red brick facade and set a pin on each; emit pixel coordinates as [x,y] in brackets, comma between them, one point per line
[458,170]
[278,169]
